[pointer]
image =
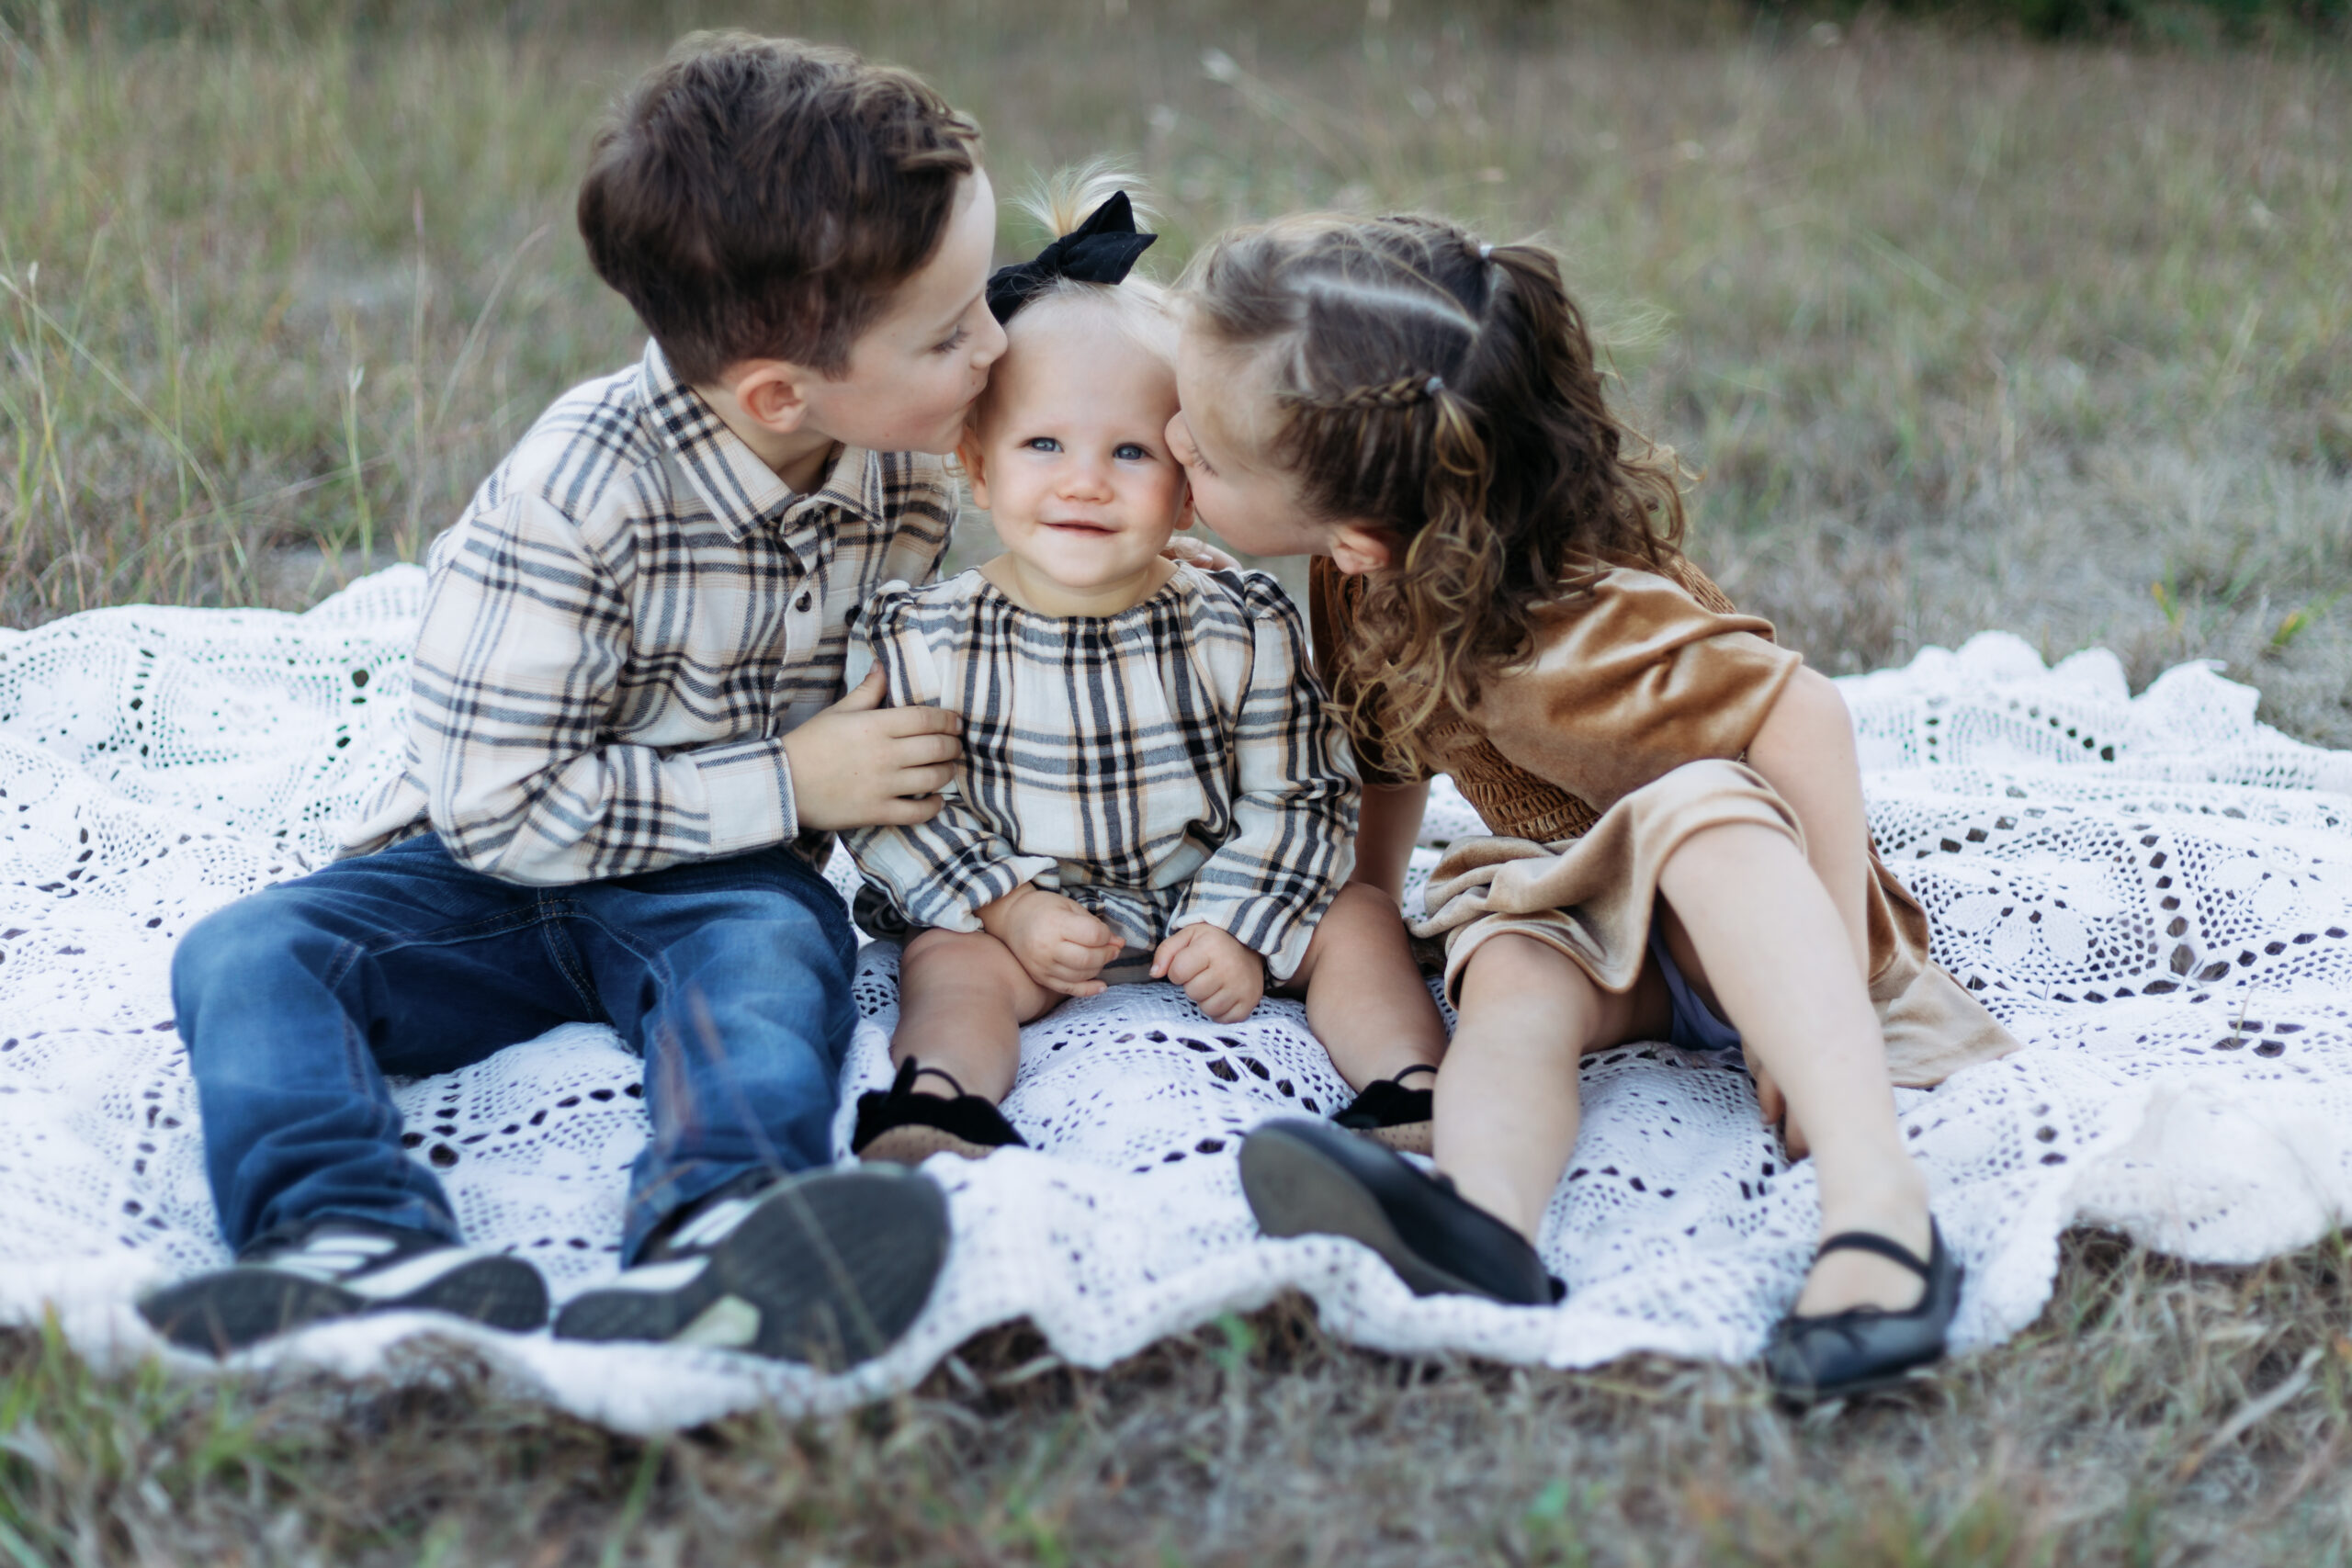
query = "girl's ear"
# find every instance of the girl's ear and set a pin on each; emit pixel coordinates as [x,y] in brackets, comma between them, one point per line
[1358,547]
[976,469]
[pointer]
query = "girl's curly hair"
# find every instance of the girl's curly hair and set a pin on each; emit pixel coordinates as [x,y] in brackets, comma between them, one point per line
[1447,391]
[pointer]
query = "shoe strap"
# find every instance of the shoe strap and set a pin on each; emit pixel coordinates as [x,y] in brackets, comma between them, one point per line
[1871,1242]
[910,1070]
[1399,1077]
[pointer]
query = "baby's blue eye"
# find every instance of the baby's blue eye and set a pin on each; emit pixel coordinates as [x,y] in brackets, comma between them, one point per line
[1131,451]
[1042,444]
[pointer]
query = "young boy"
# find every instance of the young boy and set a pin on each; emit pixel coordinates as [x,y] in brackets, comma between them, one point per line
[623,772]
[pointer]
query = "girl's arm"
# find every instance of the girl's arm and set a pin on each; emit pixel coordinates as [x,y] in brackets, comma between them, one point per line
[1805,750]
[1389,824]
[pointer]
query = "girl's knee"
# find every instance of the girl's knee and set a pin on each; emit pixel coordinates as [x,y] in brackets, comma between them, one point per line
[1730,854]
[1524,968]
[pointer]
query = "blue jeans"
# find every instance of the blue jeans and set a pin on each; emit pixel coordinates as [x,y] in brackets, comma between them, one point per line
[728,977]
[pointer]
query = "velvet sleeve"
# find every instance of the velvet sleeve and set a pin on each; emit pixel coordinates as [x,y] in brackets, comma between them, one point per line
[1630,681]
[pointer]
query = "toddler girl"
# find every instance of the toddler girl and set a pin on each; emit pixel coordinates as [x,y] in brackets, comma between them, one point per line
[1149,787]
[1685,855]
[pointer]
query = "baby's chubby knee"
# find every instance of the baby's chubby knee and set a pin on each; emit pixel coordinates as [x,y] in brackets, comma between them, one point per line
[1359,911]
[939,957]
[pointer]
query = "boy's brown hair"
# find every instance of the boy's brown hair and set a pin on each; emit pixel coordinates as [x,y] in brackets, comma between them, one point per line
[760,198]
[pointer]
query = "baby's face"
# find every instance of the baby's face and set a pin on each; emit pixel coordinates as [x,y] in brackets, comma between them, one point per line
[1075,468]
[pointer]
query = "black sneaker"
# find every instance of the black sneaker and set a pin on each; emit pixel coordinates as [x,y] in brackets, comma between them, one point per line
[1311,1179]
[828,1267]
[906,1128]
[342,1268]
[1392,1115]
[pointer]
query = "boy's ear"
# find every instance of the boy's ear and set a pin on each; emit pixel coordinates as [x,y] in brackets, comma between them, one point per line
[1358,547]
[976,469]
[769,390]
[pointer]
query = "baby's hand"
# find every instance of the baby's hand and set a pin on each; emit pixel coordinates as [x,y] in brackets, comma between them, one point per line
[1223,978]
[1061,945]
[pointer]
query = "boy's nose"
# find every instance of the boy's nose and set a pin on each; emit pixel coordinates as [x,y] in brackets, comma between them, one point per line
[988,343]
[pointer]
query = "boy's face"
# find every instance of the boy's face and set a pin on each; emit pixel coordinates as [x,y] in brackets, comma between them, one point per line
[1071,459]
[914,374]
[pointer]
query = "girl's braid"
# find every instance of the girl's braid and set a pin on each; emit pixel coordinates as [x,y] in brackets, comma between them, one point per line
[1405,392]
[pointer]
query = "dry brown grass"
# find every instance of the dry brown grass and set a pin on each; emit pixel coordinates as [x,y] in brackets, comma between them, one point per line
[1962,334]
[2141,1422]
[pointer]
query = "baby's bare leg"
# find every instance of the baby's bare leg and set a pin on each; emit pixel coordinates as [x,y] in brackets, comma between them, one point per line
[962,1000]
[1365,1000]
[1506,1108]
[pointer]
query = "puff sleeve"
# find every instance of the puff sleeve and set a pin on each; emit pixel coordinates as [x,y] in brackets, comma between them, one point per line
[942,871]
[1628,682]
[1294,798]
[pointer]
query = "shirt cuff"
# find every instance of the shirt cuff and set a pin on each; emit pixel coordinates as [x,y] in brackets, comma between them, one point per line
[747,794]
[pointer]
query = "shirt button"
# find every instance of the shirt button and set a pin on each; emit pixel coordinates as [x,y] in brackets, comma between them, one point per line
[801,603]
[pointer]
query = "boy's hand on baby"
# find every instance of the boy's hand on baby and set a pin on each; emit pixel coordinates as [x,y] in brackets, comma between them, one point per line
[1062,946]
[1223,978]
[859,764]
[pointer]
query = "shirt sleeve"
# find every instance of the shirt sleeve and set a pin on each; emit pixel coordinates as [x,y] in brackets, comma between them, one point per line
[1630,681]
[939,873]
[1295,803]
[518,661]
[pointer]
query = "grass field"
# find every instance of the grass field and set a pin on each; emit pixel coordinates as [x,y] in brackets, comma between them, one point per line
[1961,331]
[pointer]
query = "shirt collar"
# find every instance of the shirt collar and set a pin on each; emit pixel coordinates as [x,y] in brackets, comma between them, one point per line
[741,489]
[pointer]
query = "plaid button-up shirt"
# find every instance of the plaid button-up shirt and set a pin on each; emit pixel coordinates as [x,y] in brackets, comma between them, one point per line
[1169,764]
[622,627]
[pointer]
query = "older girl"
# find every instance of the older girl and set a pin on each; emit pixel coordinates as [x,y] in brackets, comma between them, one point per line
[1683,850]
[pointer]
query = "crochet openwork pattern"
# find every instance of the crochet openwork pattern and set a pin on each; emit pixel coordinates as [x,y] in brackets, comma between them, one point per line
[2154,893]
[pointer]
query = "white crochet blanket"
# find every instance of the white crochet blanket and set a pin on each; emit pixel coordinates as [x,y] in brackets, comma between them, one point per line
[2154,893]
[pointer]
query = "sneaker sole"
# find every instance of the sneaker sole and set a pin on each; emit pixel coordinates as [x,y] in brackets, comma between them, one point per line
[220,1314]
[1296,1188]
[912,1145]
[829,1269]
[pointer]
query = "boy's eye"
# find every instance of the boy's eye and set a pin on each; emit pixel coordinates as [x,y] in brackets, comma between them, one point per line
[1131,451]
[1042,444]
[951,342]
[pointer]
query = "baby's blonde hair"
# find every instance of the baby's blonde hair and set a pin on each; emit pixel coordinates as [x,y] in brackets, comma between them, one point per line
[1065,199]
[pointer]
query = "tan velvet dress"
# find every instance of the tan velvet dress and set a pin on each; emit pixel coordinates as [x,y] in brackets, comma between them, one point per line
[1593,762]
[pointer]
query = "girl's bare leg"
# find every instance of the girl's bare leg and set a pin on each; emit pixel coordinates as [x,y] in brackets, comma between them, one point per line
[1506,1106]
[1365,999]
[962,1000]
[1772,948]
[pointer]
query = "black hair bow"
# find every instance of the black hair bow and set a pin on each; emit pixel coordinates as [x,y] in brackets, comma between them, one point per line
[1102,250]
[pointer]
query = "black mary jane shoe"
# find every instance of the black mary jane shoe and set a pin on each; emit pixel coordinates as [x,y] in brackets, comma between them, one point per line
[1392,1115]
[1307,1178]
[1864,1349]
[906,1128]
